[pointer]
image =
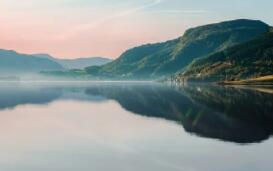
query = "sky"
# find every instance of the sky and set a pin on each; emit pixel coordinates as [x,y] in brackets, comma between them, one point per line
[85,28]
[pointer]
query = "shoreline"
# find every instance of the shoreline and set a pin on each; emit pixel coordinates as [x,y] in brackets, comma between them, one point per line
[259,81]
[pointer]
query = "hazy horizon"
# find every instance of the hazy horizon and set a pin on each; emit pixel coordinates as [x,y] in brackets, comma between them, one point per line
[82,28]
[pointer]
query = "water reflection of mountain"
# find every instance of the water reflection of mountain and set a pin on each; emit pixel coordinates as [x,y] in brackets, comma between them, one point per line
[12,96]
[237,115]
[230,114]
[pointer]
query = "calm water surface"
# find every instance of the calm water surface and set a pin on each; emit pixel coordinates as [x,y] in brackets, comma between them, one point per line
[134,126]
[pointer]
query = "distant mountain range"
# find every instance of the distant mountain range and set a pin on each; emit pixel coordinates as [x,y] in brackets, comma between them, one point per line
[153,61]
[78,63]
[12,62]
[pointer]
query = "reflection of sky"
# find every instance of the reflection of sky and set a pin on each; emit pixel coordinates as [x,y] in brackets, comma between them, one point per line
[72,135]
[72,28]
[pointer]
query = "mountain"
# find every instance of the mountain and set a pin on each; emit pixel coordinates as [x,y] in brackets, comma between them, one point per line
[82,63]
[153,61]
[248,60]
[79,63]
[12,62]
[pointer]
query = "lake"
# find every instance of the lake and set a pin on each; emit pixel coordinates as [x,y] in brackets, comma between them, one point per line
[133,126]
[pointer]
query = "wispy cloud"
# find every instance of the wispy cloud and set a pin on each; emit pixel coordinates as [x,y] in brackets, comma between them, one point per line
[127,12]
[180,11]
[100,21]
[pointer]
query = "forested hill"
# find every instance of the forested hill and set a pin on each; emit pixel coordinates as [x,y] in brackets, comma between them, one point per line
[248,60]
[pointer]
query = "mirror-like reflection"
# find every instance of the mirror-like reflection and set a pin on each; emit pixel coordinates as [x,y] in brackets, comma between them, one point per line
[232,114]
[145,124]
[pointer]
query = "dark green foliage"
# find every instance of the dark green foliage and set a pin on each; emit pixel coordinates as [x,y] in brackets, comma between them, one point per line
[248,60]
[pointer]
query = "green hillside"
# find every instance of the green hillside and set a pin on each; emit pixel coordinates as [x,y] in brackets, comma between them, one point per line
[248,60]
[153,61]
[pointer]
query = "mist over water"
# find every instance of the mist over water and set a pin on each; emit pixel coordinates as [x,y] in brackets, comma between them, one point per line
[134,126]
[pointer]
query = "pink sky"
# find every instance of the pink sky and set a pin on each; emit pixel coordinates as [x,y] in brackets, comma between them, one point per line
[66,32]
[84,28]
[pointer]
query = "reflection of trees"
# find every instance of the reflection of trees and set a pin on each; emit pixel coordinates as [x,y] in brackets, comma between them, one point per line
[238,115]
